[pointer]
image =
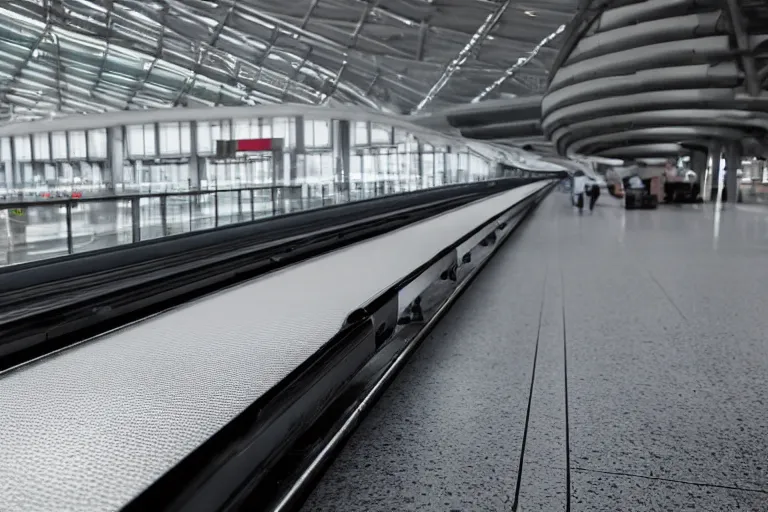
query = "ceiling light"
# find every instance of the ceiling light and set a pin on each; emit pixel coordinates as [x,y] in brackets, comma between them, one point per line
[532,14]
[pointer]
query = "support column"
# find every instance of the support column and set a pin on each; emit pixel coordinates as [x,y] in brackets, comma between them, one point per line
[297,153]
[420,151]
[699,166]
[715,151]
[115,157]
[195,168]
[343,171]
[732,164]
[11,172]
[450,170]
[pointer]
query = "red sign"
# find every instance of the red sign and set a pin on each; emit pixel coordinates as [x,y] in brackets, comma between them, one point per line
[254,145]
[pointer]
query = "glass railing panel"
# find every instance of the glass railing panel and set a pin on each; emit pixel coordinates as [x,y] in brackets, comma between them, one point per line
[228,208]
[101,224]
[295,202]
[33,233]
[178,211]
[244,199]
[262,203]
[203,211]
[314,198]
[152,223]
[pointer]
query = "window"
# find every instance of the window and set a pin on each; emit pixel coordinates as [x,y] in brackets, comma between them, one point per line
[22,146]
[204,138]
[450,167]
[141,141]
[149,140]
[283,128]
[360,134]
[266,127]
[5,149]
[185,138]
[463,163]
[42,146]
[220,130]
[319,167]
[242,128]
[170,143]
[382,165]
[478,166]
[317,134]
[97,143]
[369,171]
[381,134]
[59,146]
[439,168]
[428,168]
[355,167]
[134,138]
[78,146]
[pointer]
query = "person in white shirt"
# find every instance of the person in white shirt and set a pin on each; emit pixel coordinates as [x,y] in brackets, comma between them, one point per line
[579,185]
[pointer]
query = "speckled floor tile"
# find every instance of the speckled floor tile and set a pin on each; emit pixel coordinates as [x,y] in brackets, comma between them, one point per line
[544,489]
[595,492]
[662,381]
[667,365]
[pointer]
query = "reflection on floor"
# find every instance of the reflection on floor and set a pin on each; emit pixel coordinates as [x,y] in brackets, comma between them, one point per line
[664,320]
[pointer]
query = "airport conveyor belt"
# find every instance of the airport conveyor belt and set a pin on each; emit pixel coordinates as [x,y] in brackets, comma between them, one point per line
[46,306]
[98,425]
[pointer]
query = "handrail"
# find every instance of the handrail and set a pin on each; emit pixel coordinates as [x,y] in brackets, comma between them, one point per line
[125,219]
[123,197]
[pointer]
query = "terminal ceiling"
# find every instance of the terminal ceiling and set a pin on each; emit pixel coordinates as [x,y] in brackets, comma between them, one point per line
[400,56]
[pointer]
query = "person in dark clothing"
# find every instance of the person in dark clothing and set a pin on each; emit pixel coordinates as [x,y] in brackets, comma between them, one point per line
[578,190]
[594,193]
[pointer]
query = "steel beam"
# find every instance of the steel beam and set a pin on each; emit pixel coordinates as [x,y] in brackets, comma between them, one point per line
[742,40]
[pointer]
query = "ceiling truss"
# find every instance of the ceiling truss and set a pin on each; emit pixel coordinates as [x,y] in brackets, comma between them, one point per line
[86,56]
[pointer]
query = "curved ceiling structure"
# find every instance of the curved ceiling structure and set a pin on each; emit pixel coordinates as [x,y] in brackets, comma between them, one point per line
[656,78]
[511,122]
[640,79]
[401,56]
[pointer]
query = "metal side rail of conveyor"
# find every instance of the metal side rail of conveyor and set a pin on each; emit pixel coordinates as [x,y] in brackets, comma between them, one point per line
[237,400]
[45,307]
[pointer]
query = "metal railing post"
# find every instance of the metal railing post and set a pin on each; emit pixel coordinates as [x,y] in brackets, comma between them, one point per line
[253,212]
[274,201]
[164,214]
[239,205]
[190,211]
[70,240]
[216,208]
[136,219]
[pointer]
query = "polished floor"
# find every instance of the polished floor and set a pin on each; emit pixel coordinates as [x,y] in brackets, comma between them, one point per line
[661,317]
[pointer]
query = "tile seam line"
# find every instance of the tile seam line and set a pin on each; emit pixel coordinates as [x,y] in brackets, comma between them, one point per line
[671,480]
[565,389]
[669,298]
[518,484]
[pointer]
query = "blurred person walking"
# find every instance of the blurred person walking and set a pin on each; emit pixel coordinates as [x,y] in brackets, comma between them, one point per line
[593,193]
[579,185]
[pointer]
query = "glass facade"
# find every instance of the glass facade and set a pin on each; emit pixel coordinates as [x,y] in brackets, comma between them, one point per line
[371,159]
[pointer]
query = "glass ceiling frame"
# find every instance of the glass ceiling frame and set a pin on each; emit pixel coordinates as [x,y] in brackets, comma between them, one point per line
[401,56]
